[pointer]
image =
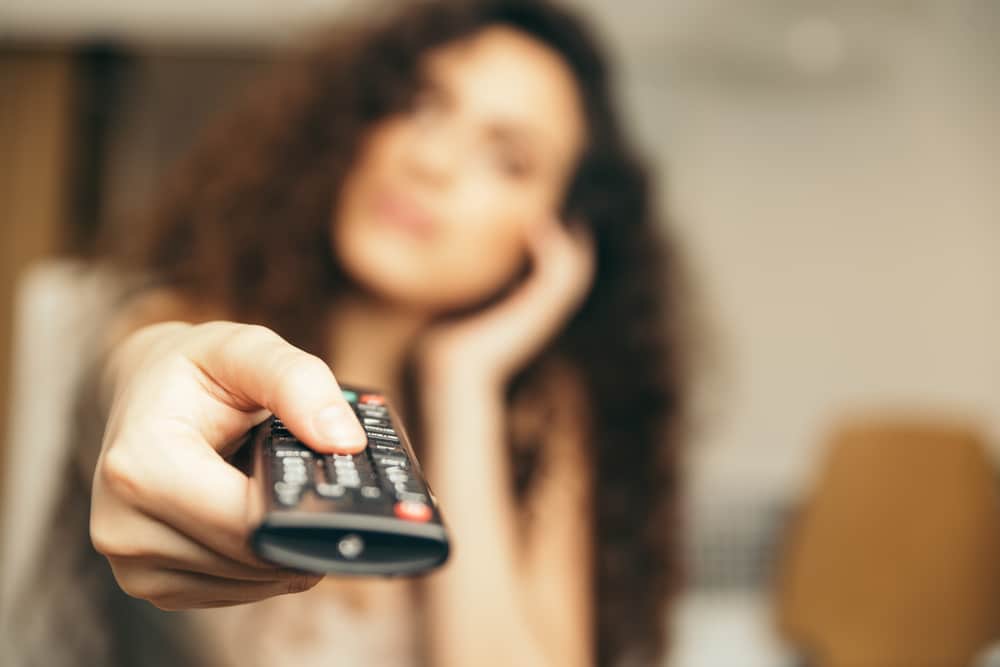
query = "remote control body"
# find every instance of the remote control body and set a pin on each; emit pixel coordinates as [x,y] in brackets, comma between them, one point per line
[370,513]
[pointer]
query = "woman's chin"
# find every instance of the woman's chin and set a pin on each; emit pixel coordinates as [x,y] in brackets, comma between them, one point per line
[413,292]
[397,277]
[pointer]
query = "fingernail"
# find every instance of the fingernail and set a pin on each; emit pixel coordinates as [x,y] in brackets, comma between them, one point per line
[338,426]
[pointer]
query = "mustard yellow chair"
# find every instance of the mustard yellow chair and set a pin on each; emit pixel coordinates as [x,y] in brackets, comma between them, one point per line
[894,561]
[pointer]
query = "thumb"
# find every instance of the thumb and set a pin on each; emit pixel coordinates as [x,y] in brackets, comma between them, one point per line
[256,368]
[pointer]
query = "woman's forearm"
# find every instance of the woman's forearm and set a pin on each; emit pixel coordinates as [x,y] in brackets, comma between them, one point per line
[476,600]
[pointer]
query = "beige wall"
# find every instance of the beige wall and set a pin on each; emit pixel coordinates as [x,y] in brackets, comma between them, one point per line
[846,226]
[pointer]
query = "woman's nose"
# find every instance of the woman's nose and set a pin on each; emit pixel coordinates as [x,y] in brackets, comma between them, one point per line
[434,153]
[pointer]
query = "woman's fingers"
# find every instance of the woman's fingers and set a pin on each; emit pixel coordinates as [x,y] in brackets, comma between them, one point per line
[187,393]
[505,336]
[151,560]
[562,271]
[253,367]
[173,476]
[172,516]
[173,589]
[563,261]
[132,537]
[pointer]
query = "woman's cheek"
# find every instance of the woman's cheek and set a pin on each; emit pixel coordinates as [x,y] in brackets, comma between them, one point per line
[489,256]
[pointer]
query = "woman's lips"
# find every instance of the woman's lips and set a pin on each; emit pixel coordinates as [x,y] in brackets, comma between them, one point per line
[403,212]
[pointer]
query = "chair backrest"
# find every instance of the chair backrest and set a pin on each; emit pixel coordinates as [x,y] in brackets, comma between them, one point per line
[895,559]
[60,307]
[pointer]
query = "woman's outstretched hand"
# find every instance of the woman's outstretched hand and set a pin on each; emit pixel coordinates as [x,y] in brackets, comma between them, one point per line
[496,343]
[169,512]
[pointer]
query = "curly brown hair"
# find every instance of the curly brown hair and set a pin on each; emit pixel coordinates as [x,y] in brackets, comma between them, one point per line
[244,221]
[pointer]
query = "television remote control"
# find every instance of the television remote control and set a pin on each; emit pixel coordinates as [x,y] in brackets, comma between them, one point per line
[370,513]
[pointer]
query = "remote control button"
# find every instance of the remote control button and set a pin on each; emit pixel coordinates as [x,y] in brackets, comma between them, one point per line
[371,399]
[413,511]
[342,469]
[376,421]
[409,486]
[293,471]
[294,452]
[330,490]
[290,500]
[350,396]
[409,496]
[287,493]
[371,491]
[388,461]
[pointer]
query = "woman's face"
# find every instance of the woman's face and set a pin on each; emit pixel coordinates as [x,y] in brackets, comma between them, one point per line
[434,214]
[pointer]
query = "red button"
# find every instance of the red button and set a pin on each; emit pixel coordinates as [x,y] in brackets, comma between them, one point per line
[413,511]
[372,398]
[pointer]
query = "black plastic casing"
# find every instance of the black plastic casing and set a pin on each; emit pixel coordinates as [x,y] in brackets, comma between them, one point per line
[308,536]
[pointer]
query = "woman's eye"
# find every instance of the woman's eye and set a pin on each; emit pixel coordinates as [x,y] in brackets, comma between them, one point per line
[511,164]
[426,103]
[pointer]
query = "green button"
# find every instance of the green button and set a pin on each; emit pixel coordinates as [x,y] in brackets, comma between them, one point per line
[352,397]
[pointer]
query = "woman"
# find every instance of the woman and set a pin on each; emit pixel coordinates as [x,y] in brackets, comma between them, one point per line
[440,203]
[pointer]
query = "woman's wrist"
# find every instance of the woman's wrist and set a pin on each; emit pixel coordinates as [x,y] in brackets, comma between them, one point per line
[459,405]
[443,383]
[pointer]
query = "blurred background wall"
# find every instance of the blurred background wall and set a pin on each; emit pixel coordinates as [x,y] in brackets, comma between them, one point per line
[831,168]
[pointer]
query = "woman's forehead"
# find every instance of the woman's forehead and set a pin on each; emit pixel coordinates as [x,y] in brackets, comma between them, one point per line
[506,76]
